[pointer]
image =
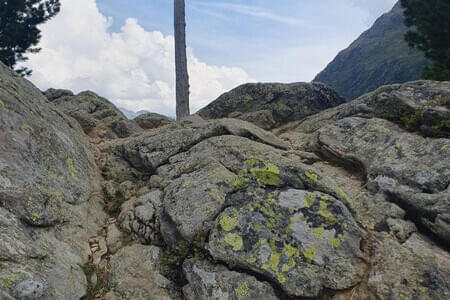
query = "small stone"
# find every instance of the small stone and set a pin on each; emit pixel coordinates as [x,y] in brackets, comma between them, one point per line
[29,289]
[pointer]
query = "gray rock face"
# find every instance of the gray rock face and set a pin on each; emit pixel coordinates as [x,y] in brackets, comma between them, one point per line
[53,94]
[48,180]
[419,179]
[141,216]
[152,121]
[271,104]
[215,282]
[96,115]
[135,275]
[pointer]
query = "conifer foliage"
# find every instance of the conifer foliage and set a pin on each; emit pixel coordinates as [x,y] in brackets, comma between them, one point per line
[19,32]
[429,23]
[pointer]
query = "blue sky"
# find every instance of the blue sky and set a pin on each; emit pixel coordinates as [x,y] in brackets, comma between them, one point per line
[123,49]
[250,33]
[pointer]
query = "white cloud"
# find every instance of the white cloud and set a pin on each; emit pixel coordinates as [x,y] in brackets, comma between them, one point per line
[133,68]
[247,10]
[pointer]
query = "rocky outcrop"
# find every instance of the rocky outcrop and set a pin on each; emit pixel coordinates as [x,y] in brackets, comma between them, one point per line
[380,56]
[97,116]
[152,121]
[49,187]
[349,203]
[269,105]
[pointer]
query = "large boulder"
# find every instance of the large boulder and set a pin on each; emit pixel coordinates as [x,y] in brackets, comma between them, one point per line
[48,182]
[152,121]
[269,105]
[97,116]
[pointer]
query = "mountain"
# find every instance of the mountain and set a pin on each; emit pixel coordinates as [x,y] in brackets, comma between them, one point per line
[380,56]
[131,114]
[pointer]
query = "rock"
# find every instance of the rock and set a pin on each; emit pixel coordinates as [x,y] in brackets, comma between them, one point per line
[141,217]
[114,238]
[412,270]
[378,57]
[410,105]
[152,149]
[53,94]
[96,115]
[29,289]
[135,274]
[215,282]
[271,104]
[48,185]
[261,118]
[303,241]
[152,121]
[411,171]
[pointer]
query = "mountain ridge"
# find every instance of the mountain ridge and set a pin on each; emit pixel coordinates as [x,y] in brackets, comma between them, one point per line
[379,56]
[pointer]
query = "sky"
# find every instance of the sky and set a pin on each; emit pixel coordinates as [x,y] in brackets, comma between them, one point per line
[124,49]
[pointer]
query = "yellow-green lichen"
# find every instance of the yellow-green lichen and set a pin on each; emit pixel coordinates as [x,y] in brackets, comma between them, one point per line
[290,251]
[341,194]
[72,169]
[289,265]
[251,260]
[329,217]
[335,242]
[267,175]
[310,254]
[228,223]
[257,227]
[271,223]
[241,181]
[11,279]
[310,198]
[2,103]
[234,240]
[312,175]
[318,232]
[274,261]
[242,291]
[281,278]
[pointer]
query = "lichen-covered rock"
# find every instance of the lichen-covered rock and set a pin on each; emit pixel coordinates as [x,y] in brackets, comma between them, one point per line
[134,274]
[141,217]
[152,121]
[48,182]
[271,104]
[152,149]
[413,270]
[97,116]
[406,166]
[305,241]
[215,282]
[421,106]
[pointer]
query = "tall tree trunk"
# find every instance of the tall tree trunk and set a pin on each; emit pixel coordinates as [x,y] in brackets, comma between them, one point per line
[182,77]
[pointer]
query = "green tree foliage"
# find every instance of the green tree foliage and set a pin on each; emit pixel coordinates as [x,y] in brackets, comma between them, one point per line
[18,28]
[429,22]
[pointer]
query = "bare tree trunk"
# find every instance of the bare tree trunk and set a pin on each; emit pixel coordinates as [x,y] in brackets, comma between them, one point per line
[182,77]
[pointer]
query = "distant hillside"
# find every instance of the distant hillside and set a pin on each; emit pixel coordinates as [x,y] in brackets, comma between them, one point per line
[131,114]
[378,57]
